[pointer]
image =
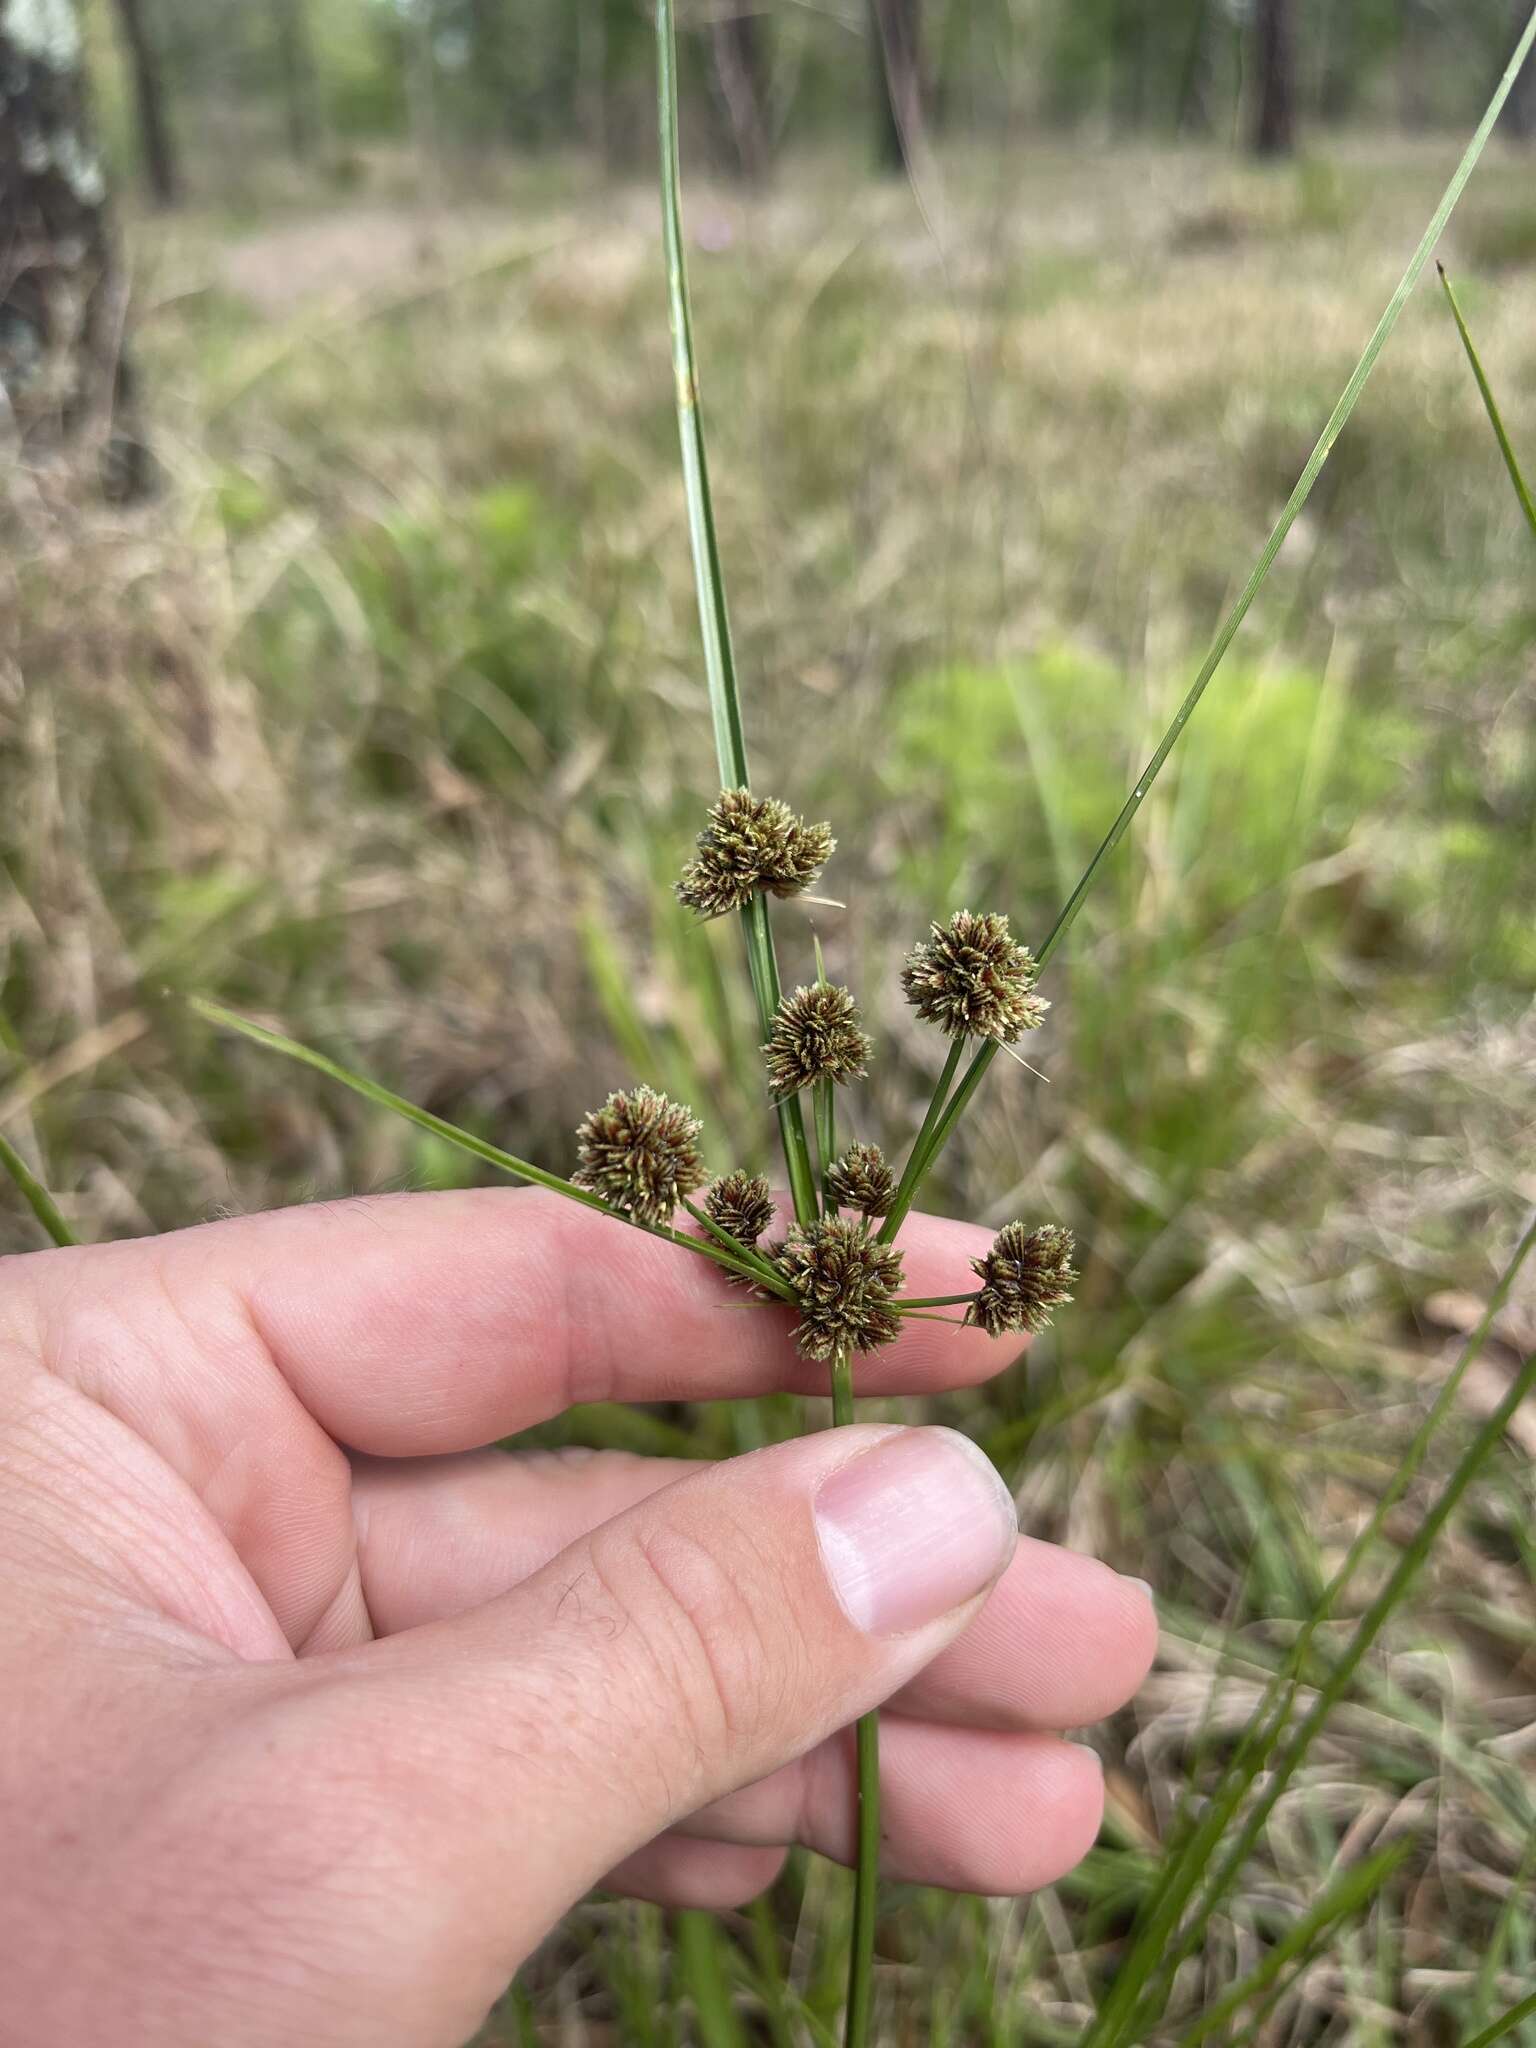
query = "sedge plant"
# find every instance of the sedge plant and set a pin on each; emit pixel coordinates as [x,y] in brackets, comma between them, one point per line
[833,1263]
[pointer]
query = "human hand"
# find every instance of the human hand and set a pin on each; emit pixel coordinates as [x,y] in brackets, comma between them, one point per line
[312,1745]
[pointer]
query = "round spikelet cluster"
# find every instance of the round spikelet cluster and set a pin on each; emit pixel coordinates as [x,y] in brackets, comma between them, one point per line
[1025,1275]
[862,1180]
[742,1205]
[640,1153]
[815,1035]
[844,1283]
[973,979]
[752,844]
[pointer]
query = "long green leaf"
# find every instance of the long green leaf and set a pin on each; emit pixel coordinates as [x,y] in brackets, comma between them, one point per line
[1506,2023]
[1490,406]
[1348,399]
[35,1195]
[453,1134]
[709,579]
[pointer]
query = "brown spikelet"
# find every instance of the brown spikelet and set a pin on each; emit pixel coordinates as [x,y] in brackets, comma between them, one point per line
[862,1180]
[844,1283]
[973,979]
[640,1153]
[742,1205]
[1025,1275]
[752,844]
[815,1034]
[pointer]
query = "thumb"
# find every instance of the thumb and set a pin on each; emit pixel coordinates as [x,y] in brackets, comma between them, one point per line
[712,1633]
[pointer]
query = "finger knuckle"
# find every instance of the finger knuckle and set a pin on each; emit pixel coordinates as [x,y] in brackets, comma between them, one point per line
[706,1627]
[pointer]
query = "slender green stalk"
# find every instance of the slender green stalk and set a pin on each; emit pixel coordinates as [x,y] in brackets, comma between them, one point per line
[1506,2023]
[35,1195]
[826,1138]
[1337,419]
[910,1301]
[467,1141]
[861,1952]
[917,1159]
[1489,404]
[714,617]
[1163,1946]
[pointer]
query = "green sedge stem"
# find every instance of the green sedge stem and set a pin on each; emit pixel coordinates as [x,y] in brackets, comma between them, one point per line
[35,1195]
[905,1301]
[1490,405]
[464,1141]
[709,579]
[917,1159]
[826,1138]
[861,1953]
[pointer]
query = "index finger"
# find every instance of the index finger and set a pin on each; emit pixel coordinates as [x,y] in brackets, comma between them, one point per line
[412,1324]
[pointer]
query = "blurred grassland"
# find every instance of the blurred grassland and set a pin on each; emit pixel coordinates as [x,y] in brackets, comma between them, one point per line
[387,722]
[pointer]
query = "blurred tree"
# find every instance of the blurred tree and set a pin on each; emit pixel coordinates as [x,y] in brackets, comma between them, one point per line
[740,72]
[156,142]
[900,79]
[1274,86]
[63,369]
[296,66]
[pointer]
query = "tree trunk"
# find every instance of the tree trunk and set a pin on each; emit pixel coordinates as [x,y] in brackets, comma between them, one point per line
[295,59]
[1274,99]
[63,369]
[740,76]
[161,170]
[896,37]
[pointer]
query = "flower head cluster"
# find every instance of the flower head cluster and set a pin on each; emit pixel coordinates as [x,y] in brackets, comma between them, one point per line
[973,979]
[1025,1275]
[751,844]
[844,1283]
[815,1035]
[862,1180]
[742,1205]
[640,1153]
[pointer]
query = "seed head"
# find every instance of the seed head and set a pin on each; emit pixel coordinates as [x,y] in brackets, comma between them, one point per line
[815,1034]
[752,843]
[640,1153]
[844,1282]
[973,979]
[742,1204]
[1025,1275]
[862,1180]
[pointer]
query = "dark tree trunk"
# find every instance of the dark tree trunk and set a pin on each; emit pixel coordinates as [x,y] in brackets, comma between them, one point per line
[1274,96]
[1520,107]
[161,171]
[901,96]
[63,370]
[295,60]
[740,74]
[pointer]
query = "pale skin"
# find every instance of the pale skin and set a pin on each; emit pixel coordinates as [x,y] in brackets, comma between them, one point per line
[315,1715]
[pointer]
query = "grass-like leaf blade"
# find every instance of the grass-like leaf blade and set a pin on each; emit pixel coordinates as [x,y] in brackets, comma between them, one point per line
[35,1195]
[1490,405]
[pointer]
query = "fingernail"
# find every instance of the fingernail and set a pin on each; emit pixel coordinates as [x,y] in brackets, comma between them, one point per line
[1141,1586]
[912,1528]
